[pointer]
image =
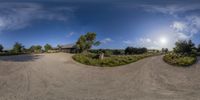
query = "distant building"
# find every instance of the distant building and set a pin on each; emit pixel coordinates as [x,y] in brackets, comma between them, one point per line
[69,48]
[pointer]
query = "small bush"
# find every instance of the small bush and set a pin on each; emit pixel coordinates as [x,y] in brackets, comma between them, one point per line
[179,60]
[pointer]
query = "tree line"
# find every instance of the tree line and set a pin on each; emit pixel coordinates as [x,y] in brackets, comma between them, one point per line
[19,48]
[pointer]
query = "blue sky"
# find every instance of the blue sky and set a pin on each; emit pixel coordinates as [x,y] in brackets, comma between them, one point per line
[118,23]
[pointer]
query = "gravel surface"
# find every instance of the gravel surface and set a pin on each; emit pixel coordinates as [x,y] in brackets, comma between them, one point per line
[58,77]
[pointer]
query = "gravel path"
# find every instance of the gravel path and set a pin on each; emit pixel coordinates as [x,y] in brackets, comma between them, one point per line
[58,77]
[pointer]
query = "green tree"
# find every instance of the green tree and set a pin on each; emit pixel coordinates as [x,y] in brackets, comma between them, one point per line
[85,42]
[18,48]
[47,47]
[36,48]
[184,47]
[1,48]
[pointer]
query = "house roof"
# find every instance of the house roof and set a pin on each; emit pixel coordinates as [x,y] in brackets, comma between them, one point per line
[68,46]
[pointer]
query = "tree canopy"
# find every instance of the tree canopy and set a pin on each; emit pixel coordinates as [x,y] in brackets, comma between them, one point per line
[132,50]
[85,42]
[184,47]
[47,47]
[36,48]
[18,48]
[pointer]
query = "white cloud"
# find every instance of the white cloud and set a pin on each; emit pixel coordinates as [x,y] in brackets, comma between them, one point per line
[171,9]
[106,40]
[128,42]
[178,26]
[150,43]
[19,15]
[188,28]
[70,34]
[145,40]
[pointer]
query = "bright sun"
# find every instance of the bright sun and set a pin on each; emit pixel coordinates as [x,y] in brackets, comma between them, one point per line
[163,40]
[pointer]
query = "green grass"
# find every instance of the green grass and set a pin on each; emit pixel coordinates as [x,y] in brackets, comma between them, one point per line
[179,60]
[114,60]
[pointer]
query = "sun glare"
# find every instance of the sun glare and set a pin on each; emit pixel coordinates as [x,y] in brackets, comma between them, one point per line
[163,40]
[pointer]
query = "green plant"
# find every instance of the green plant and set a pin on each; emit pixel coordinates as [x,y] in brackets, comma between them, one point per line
[184,47]
[17,48]
[114,60]
[132,50]
[179,60]
[47,47]
[85,42]
[36,49]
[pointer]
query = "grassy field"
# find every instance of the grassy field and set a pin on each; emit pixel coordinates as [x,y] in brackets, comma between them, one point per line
[111,61]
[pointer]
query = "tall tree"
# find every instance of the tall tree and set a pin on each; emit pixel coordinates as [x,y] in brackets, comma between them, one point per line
[85,42]
[18,48]
[1,48]
[184,47]
[47,47]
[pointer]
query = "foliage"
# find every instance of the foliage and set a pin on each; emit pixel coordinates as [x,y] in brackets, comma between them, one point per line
[108,51]
[115,60]
[47,47]
[180,60]
[36,49]
[11,53]
[184,47]
[85,42]
[164,50]
[132,50]
[118,52]
[17,48]
[1,48]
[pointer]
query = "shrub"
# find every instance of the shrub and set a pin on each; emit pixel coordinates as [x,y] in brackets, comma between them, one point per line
[179,60]
[17,48]
[184,47]
[115,60]
[35,49]
[132,50]
[47,47]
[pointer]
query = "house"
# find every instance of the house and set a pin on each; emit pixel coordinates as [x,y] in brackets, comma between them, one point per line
[69,48]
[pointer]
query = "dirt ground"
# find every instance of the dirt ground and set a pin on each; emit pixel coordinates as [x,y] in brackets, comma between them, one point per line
[58,77]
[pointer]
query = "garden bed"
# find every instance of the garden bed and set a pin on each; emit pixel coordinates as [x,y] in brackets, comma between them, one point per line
[179,60]
[111,61]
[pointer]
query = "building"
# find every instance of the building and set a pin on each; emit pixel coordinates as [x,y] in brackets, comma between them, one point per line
[69,48]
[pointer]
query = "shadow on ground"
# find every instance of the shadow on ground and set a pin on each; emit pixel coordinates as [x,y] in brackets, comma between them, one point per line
[20,58]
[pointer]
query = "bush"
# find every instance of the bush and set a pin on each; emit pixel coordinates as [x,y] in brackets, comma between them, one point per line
[184,47]
[179,60]
[10,54]
[132,50]
[108,52]
[115,60]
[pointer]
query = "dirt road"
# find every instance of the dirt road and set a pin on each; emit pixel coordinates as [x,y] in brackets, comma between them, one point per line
[58,77]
